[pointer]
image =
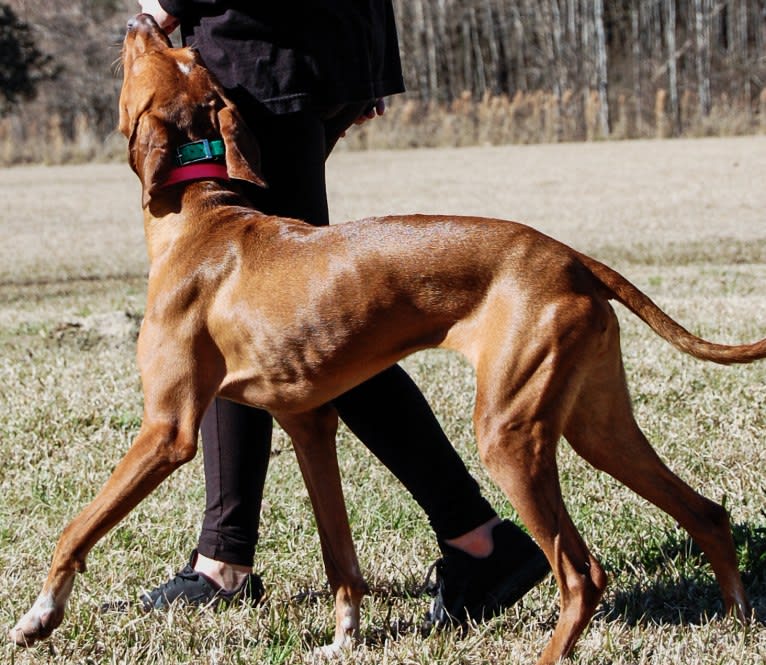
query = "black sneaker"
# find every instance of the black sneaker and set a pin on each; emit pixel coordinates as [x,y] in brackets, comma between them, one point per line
[469,587]
[194,588]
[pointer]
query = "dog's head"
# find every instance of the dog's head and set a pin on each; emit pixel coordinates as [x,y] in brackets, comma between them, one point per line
[168,98]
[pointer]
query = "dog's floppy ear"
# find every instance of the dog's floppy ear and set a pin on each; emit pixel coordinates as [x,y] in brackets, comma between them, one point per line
[243,157]
[150,155]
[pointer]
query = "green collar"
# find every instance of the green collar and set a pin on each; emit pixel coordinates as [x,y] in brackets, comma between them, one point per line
[199,151]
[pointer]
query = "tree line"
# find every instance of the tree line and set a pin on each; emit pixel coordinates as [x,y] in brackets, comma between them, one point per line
[575,49]
[595,64]
[70,63]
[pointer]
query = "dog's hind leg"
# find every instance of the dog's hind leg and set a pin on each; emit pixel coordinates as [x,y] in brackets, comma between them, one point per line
[526,384]
[602,429]
[522,460]
[313,436]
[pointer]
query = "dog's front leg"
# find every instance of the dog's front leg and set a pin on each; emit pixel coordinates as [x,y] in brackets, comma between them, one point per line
[157,450]
[313,436]
[179,380]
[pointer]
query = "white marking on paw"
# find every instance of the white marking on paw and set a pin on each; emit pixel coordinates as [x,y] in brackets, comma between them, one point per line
[31,626]
[330,651]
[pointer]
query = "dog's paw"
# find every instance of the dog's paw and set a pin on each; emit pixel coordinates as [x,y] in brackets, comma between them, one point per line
[37,624]
[333,651]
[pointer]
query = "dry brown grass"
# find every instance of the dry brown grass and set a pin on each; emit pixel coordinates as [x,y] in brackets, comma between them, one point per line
[526,118]
[683,219]
[537,117]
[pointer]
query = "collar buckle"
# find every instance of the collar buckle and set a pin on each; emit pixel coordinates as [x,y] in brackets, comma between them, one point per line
[200,151]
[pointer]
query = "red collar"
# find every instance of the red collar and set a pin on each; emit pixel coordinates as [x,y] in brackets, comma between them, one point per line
[201,171]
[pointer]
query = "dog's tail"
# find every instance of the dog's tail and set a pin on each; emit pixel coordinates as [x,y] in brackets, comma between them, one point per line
[621,290]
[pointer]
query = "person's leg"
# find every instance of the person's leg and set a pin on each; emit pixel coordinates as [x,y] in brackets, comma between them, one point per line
[292,149]
[236,443]
[393,419]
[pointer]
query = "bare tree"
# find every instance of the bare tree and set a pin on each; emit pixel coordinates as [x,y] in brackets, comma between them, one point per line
[670,39]
[744,49]
[635,34]
[702,30]
[602,80]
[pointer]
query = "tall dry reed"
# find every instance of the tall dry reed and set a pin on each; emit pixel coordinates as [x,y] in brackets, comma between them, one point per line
[531,117]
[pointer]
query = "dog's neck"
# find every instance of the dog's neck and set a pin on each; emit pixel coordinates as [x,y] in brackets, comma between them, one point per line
[190,196]
[179,215]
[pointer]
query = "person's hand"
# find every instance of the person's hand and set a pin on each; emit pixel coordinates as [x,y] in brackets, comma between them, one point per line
[166,22]
[379,108]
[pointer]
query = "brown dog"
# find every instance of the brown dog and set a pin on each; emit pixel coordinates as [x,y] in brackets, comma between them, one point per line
[230,312]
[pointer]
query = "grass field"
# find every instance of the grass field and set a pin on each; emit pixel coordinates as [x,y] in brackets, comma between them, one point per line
[684,220]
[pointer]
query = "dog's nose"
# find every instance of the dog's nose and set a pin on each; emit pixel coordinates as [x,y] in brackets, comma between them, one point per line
[137,20]
[132,23]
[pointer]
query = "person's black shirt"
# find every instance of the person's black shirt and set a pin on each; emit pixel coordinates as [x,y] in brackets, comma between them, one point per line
[292,55]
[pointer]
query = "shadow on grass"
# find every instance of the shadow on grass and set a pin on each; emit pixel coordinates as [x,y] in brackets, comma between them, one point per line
[683,589]
[394,626]
[680,590]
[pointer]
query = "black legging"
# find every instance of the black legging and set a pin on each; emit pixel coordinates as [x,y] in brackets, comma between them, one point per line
[387,413]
